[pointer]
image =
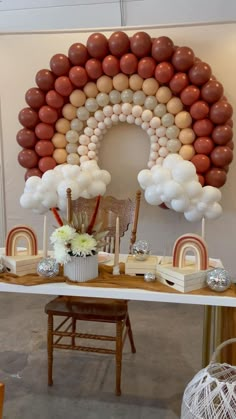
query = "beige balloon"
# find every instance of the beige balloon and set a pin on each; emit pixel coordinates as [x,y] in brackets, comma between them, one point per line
[59,140]
[187,152]
[60,155]
[135,82]
[163,94]
[77,98]
[187,136]
[90,89]
[69,111]
[62,125]
[104,84]
[121,82]
[183,119]
[150,86]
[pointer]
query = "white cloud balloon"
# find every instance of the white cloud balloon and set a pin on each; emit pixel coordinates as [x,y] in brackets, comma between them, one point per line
[175,183]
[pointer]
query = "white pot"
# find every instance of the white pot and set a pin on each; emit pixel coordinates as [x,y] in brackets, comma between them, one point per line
[81,269]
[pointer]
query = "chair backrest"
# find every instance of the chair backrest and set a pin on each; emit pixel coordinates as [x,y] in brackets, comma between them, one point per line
[2,387]
[109,209]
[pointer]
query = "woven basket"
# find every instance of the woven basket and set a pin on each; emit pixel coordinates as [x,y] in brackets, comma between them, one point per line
[212,392]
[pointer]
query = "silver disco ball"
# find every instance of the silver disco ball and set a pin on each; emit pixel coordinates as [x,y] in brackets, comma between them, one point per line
[141,250]
[218,280]
[48,267]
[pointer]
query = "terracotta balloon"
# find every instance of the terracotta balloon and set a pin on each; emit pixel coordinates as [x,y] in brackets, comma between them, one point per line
[141,44]
[60,64]
[199,110]
[164,72]
[163,206]
[44,131]
[230,122]
[35,98]
[203,145]
[26,138]
[200,73]
[119,43]
[230,144]
[162,48]
[146,67]
[78,76]
[78,54]
[201,179]
[48,114]
[28,117]
[28,158]
[63,86]
[111,65]
[203,127]
[128,64]
[222,134]
[46,163]
[44,148]
[201,162]
[215,177]
[212,91]
[221,156]
[94,68]
[178,82]
[54,99]
[97,45]
[45,79]
[189,95]
[33,172]
[220,112]
[183,58]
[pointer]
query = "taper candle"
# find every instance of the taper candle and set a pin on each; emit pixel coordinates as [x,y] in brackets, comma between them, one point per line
[116,270]
[45,237]
[203,228]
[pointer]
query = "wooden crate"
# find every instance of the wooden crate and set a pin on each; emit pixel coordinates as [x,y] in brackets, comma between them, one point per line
[140,267]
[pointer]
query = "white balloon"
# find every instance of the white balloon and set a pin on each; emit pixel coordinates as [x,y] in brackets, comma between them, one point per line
[210,194]
[145,178]
[181,204]
[31,183]
[184,171]
[96,188]
[193,215]
[193,188]
[27,201]
[50,200]
[160,174]
[171,160]
[172,190]
[151,196]
[89,165]
[213,211]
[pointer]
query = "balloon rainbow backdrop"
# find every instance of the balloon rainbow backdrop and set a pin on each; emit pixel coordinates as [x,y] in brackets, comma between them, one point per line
[149,82]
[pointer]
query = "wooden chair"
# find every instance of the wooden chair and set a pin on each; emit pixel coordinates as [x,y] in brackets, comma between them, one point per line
[101,310]
[2,390]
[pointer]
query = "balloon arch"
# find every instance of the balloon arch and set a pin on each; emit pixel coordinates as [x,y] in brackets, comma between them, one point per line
[164,89]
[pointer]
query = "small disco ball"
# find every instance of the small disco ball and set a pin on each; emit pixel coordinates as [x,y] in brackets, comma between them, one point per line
[218,280]
[149,277]
[141,250]
[2,267]
[48,267]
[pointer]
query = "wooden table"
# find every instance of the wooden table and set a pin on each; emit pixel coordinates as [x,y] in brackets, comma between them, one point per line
[219,318]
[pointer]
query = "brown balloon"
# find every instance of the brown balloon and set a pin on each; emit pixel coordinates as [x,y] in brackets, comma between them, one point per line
[78,76]
[26,138]
[63,86]
[78,54]
[128,64]
[200,73]
[221,156]
[119,43]
[33,172]
[220,112]
[230,144]
[48,114]
[141,44]
[203,145]
[178,82]
[199,110]
[54,99]
[28,158]
[45,79]
[44,131]
[97,45]
[35,98]
[46,163]
[183,58]
[111,65]
[222,134]
[201,179]
[163,206]
[162,48]
[94,68]
[146,67]
[164,72]
[28,117]
[212,91]
[215,177]
[60,64]
[44,148]
[201,162]
[189,95]
[203,127]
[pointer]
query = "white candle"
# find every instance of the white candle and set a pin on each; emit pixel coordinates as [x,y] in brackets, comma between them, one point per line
[203,228]
[117,248]
[45,237]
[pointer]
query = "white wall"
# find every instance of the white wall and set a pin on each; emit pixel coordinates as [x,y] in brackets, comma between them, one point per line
[124,150]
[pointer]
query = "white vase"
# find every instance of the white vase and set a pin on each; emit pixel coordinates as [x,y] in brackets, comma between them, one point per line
[81,269]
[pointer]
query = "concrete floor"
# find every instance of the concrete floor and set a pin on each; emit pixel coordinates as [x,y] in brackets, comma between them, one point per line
[168,342]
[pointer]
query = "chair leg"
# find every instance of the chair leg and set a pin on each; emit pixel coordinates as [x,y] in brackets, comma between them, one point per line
[50,349]
[130,334]
[118,356]
[73,331]
[1,399]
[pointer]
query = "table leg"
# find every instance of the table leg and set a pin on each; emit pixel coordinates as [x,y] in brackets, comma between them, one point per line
[207,332]
[228,331]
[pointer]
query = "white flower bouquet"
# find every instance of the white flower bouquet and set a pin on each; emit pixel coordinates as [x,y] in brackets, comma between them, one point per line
[80,238]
